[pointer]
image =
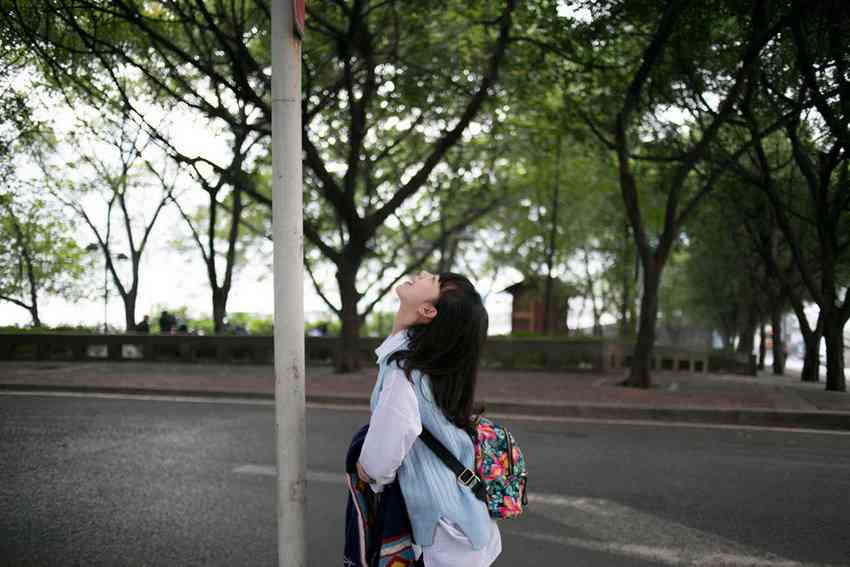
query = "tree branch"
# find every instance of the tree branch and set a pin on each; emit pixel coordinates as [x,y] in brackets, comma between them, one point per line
[318,289]
[450,137]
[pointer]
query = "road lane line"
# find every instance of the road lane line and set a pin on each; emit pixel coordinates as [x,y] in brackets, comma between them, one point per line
[262,470]
[605,525]
[271,470]
[665,555]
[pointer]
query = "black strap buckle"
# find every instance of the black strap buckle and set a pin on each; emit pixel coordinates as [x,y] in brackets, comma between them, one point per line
[468,478]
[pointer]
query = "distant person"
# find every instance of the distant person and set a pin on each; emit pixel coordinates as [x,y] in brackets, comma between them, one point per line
[320,330]
[167,322]
[144,326]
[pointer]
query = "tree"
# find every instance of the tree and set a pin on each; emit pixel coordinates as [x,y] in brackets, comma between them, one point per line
[559,205]
[384,101]
[18,127]
[732,283]
[817,111]
[153,61]
[781,284]
[37,257]
[619,274]
[223,222]
[115,159]
[675,61]
[416,107]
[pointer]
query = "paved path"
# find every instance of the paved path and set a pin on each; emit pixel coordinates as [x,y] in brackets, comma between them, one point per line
[722,398]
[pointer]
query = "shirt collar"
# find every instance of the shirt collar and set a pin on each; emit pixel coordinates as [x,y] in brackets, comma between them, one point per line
[391,344]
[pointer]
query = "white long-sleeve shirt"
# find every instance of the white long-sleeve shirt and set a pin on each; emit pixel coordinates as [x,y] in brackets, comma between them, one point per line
[394,426]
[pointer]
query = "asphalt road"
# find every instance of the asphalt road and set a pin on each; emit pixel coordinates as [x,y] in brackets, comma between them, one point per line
[89,481]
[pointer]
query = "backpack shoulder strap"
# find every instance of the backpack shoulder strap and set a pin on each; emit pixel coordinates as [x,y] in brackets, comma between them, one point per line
[464,476]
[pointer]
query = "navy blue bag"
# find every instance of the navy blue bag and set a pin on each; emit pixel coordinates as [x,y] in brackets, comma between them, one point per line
[377,527]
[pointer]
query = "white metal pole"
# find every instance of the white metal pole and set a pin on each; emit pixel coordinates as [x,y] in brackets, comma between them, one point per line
[288,287]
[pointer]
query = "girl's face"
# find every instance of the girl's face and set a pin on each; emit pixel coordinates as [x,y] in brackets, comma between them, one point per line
[423,288]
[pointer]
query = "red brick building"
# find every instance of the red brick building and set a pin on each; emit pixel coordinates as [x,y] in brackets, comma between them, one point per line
[528,309]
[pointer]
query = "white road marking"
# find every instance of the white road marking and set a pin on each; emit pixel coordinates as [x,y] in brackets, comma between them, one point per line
[262,470]
[610,527]
[664,555]
[365,409]
[271,470]
[579,503]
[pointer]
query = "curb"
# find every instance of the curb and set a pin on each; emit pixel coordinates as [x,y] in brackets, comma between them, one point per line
[825,420]
[35,388]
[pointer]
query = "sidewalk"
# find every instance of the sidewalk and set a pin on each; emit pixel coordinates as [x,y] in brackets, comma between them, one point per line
[764,400]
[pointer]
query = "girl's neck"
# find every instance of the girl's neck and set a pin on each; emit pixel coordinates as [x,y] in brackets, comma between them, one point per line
[404,319]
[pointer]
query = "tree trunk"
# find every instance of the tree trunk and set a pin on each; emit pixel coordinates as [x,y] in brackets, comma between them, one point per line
[833,332]
[597,325]
[747,339]
[348,357]
[547,304]
[639,376]
[130,311]
[778,345]
[811,358]
[33,306]
[550,246]
[626,306]
[811,339]
[597,322]
[625,324]
[219,306]
[762,345]
[36,321]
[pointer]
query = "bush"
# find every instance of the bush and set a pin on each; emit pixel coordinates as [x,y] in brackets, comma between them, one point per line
[378,324]
[531,335]
[254,324]
[45,329]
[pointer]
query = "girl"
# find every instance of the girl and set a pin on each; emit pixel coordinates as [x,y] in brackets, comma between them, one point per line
[427,373]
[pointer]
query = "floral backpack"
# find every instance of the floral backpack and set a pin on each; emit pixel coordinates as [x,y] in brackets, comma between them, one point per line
[500,478]
[501,466]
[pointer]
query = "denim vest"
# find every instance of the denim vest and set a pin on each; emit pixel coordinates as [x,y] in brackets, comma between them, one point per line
[430,489]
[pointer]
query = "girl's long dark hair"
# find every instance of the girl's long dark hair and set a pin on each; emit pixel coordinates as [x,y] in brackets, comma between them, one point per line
[448,348]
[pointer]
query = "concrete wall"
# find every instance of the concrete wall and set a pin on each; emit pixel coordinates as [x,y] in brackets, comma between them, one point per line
[598,355]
